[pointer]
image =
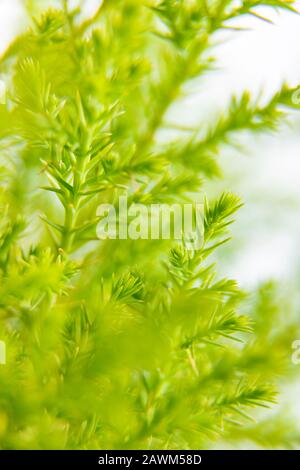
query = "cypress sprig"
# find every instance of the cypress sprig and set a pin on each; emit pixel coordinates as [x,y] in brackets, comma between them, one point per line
[120,344]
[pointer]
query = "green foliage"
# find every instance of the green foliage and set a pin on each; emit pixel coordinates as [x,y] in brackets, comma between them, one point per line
[125,344]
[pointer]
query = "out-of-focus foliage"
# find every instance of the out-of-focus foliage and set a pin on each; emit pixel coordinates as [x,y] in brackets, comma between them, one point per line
[126,344]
